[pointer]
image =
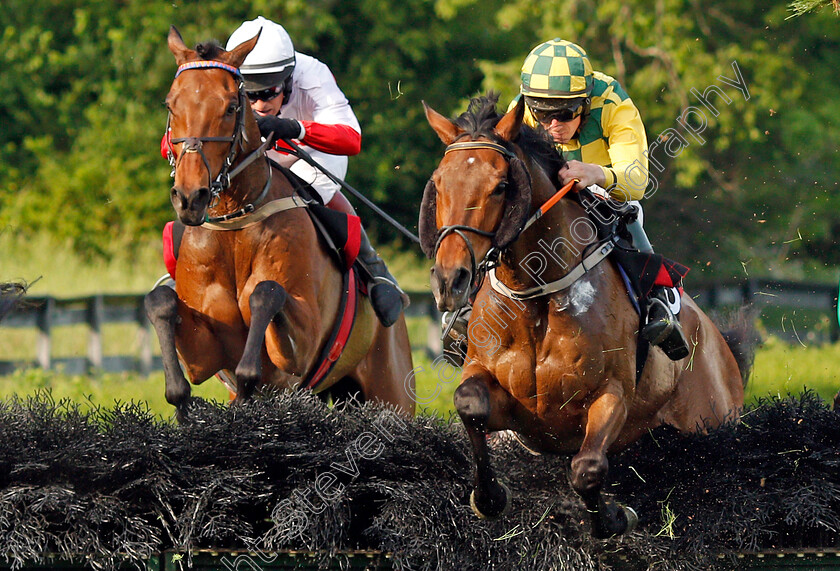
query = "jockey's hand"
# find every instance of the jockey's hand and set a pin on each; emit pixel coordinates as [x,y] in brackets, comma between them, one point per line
[587,173]
[282,128]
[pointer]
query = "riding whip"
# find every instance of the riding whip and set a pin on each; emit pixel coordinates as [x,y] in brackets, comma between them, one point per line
[301,154]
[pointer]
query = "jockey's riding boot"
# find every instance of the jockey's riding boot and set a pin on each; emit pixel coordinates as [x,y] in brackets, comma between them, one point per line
[663,326]
[386,297]
[455,339]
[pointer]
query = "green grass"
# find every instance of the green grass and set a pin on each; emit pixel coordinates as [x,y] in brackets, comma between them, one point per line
[54,270]
[780,368]
[107,388]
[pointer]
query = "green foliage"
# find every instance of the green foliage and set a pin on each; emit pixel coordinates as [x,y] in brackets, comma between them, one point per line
[800,7]
[766,170]
[83,81]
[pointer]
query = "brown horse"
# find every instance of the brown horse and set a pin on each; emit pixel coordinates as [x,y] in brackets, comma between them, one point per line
[260,297]
[557,369]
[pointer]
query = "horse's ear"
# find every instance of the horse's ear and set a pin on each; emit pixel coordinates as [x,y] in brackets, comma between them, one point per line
[237,55]
[445,129]
[177,46]
[508,126]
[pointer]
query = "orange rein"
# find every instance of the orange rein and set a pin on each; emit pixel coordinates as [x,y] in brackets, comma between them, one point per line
[557,196]
[550,203]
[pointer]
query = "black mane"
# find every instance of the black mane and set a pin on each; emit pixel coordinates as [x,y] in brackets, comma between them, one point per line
[209,50]
[481,117]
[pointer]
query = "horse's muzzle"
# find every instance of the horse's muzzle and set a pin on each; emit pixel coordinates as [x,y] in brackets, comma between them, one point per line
[191,208]
[451,287]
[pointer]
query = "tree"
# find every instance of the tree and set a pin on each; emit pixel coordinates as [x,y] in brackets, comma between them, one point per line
[753,178]
[753,189]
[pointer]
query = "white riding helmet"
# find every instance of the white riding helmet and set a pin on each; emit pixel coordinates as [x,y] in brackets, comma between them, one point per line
[272,60]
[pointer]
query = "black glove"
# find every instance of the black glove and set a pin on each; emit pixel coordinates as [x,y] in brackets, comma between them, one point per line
[282,128]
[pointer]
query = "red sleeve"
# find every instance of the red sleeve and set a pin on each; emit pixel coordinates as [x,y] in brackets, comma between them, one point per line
[332,139]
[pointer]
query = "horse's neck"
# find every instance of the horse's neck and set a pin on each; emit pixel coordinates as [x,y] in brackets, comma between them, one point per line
[551,247]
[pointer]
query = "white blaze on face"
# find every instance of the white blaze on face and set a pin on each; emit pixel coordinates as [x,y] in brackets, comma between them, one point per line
[470,160]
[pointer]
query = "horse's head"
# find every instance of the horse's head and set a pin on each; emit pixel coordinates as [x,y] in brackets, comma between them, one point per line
[477,199]
[208,117]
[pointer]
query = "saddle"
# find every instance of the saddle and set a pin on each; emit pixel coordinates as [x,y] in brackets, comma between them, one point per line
[641,271]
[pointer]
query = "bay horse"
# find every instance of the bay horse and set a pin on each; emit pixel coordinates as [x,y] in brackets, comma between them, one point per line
[260,297]
[559,370]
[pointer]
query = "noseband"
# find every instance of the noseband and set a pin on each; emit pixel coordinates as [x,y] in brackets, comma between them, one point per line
[196,144]
[491,258]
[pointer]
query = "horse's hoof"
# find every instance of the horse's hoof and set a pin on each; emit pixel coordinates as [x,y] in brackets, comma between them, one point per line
[632,519]
[489,513]
[191,408]
[182,417]
[613,520]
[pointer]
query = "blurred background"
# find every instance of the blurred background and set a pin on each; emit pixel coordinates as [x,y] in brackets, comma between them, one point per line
[753,198]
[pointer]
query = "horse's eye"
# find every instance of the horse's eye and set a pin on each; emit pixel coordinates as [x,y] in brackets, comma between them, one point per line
[232,108]
[500,188]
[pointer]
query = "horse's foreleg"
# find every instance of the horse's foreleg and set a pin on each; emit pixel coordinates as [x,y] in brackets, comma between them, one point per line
[489,498]
[161,306]
[265,302]
[590,466]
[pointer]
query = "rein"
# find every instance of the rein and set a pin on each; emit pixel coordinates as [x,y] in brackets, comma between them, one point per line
[196,145]
[487,266]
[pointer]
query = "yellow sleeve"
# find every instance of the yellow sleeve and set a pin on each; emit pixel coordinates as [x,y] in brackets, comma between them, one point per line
[623,128]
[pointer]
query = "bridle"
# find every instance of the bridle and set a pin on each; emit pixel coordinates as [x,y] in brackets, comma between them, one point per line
[491,258]
[196,145]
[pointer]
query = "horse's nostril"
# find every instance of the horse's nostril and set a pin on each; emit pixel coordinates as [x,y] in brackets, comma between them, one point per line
[177,198]
[461,281]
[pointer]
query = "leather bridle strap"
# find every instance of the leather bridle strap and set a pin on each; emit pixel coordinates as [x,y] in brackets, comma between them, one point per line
[195,144]
[469,145]
[459,230]
[477,269]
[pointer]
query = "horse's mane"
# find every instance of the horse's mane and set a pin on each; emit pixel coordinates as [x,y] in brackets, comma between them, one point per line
[209,50]
[481,117]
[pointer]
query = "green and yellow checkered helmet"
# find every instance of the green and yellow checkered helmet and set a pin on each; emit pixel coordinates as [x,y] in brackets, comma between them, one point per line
[557,69]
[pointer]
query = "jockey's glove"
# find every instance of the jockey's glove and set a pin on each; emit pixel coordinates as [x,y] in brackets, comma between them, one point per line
[282,128]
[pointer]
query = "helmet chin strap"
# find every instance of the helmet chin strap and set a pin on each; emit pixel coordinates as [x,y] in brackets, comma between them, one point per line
[584,115]
[287,88]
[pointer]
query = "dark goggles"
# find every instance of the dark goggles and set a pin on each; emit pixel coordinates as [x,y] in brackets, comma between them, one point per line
[265,94]
[562,115]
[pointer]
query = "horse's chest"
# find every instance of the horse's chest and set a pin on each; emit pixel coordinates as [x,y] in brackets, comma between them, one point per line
[560,361]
